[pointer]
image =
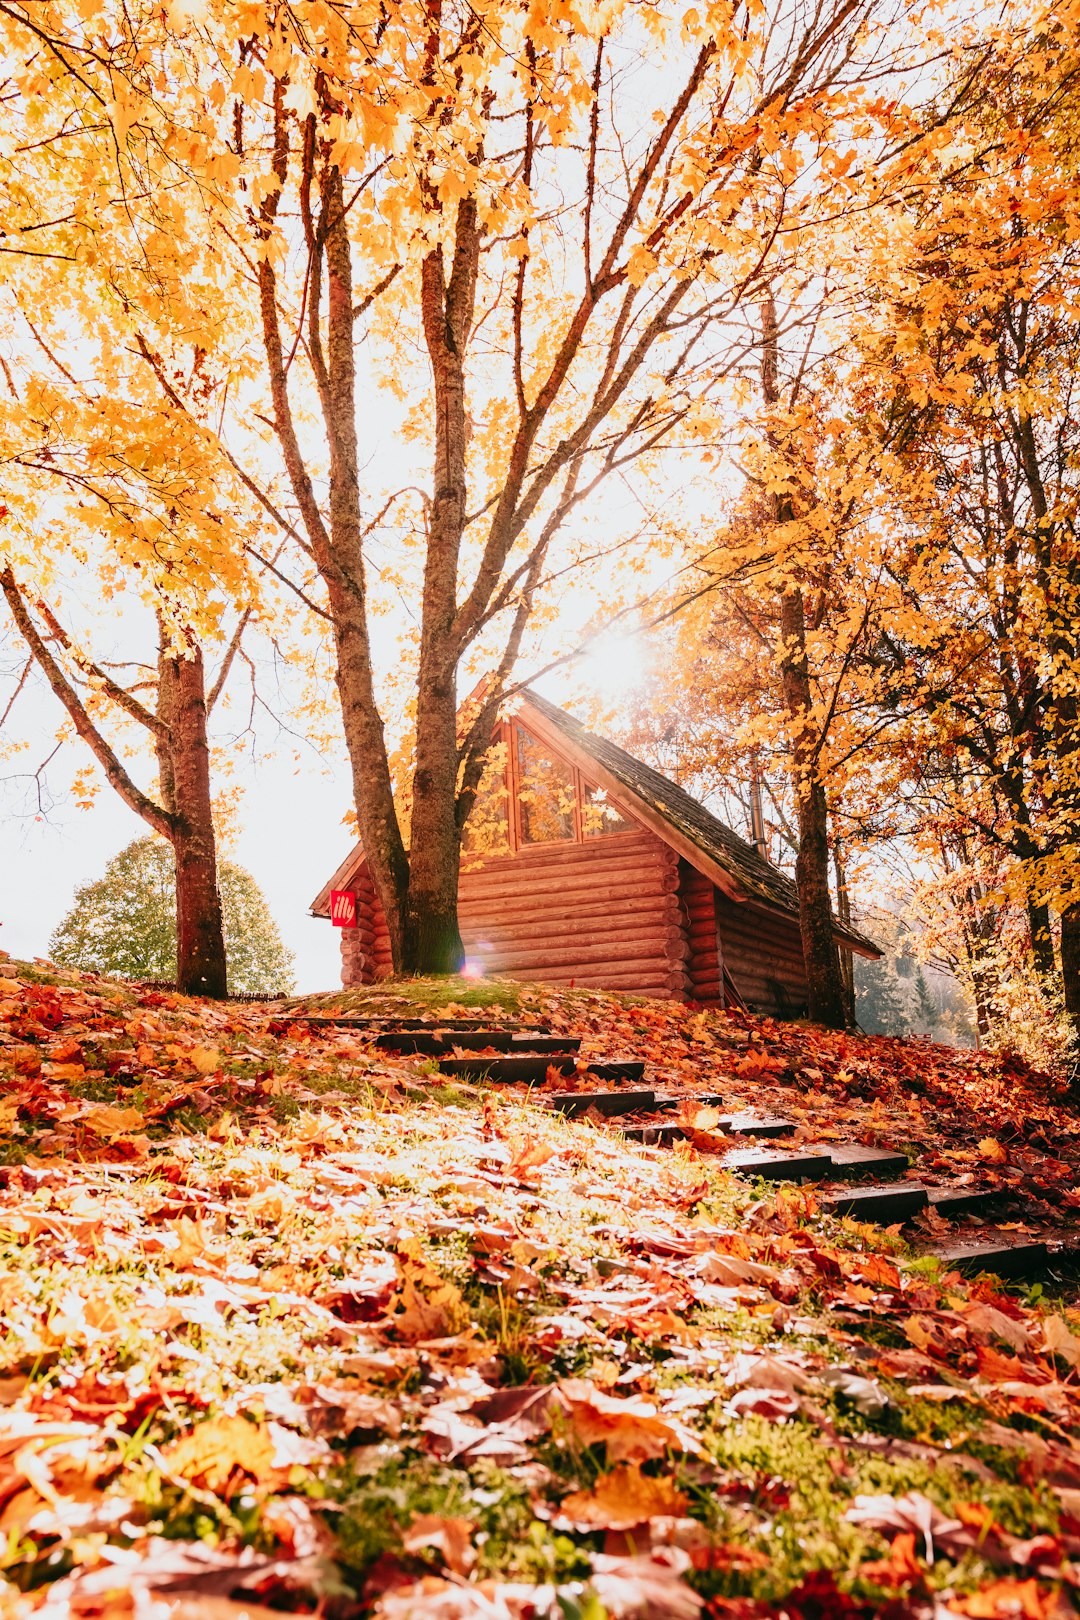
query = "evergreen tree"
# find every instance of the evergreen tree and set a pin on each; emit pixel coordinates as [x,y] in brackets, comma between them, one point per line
[925,1012]
[882,1000]
[125,924]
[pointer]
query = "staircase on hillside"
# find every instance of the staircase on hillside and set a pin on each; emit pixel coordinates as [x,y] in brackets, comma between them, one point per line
[866,1183]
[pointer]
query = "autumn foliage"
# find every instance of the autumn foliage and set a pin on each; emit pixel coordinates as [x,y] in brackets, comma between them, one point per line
[287,1328]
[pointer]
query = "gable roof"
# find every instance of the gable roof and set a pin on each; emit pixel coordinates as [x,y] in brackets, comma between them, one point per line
[714,849]
[750,876]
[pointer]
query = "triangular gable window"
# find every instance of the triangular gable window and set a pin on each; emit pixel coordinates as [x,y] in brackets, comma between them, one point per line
[546,793]
[549,800]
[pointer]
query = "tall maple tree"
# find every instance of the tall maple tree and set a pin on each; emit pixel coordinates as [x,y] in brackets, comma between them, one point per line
[563,241]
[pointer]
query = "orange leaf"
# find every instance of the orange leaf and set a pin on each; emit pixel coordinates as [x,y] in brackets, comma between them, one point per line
[622,1499]
[901,1568]
[450,1537]
[211,1454]
[632,1430]
[1011,1600]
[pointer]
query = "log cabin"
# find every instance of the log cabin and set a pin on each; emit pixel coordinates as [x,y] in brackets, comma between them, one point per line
[583,866]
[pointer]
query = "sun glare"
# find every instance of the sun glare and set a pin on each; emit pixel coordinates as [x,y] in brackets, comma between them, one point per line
[616,665]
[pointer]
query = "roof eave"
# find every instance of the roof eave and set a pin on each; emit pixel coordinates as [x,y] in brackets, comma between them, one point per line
[346,872]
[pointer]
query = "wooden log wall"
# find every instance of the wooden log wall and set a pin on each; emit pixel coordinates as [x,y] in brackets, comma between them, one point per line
[620,912]
[763,953]
[703,965]
[604,913]
[365,949]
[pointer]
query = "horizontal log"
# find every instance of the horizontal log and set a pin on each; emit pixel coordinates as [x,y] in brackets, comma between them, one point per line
[613,918]
[577,954]
[631,880]
[762,964]
[579,870]
[565,851]
[614,922]
[789,942]
[560,904]
[573,858]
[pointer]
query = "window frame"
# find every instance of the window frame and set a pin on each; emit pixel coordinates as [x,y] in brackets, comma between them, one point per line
[505,733]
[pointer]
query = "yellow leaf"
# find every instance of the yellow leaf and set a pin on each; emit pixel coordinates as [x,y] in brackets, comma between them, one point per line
[65,1071]
[106,1121]
[223,1446]
[1060,1341]
[437,1314]
[992,1150]
[640,264]
[206,1059]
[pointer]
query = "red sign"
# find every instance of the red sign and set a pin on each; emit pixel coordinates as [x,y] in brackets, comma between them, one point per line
[343,908]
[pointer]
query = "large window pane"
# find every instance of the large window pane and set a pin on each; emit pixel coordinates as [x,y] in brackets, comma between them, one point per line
[599,815]
[546,793]
[486,828]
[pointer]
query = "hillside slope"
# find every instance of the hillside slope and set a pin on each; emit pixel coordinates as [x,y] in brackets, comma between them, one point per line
[292,1324]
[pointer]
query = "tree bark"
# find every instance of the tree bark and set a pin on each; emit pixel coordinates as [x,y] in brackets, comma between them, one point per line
[843,912]
[821,959]
[1070,961]
[1042,944]
[432,933]
[184,775]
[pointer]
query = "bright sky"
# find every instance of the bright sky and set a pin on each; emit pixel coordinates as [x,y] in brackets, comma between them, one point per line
[289,832]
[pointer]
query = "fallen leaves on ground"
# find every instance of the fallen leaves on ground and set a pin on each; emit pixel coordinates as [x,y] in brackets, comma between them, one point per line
[290,1327]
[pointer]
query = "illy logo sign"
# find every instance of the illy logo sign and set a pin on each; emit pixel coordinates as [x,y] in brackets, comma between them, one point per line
[343,908]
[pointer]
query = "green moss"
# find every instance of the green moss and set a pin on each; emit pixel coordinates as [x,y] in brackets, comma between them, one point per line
[401,996]
[377,1498]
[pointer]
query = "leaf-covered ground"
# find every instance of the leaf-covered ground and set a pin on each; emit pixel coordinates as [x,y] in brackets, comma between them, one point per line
[290,1325]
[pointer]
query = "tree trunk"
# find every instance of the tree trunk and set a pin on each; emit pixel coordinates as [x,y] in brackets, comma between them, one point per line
[981,984]
[821,959]
[1042,945]
[1070,961]
[432,934]
[184,768]
[843,912]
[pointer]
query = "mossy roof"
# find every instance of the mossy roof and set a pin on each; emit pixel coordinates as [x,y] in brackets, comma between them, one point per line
[758,878]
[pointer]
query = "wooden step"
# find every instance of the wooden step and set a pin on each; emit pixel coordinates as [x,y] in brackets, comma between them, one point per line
[533,1070]
[664,1133]
[435,1043]
[763,1125]
[1005,1258]
[952,1201]
[669,1100]
[605,1102]
[386,1022]
[851,1160]
[886,1205]
[774,1164]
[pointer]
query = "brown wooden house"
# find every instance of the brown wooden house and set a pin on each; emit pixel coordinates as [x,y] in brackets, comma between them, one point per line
[584,866]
